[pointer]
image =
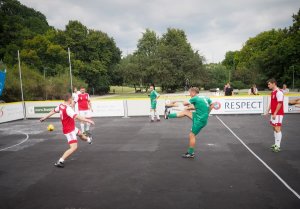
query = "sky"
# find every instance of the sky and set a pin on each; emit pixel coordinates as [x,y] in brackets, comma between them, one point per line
[213,27]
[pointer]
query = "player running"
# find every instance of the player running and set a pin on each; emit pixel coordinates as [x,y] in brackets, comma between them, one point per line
[277,113]
[85,108]
[67,117]
[202,106]
[153,102]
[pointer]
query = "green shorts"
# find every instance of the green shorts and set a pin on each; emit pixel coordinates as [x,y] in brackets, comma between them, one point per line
[153,105]
[198,124]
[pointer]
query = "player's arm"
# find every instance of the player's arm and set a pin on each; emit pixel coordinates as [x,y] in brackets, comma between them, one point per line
[72,114]
[211,106]
[279,105]
[90,103]
[52,112]
[157,96]
[83,119]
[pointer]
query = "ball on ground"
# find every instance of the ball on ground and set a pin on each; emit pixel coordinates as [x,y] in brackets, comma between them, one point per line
[50,127]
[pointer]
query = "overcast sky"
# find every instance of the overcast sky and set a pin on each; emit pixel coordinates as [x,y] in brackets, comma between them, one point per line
[212,26]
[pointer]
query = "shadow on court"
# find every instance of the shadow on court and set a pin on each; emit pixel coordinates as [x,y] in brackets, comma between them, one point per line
[136,164]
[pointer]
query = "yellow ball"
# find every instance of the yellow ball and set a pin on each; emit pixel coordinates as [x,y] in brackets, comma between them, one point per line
[50,127]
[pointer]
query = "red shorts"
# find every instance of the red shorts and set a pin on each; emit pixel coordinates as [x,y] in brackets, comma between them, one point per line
[72,136]
[277,121]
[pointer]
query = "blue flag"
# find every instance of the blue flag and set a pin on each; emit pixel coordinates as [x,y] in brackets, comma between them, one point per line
[2,80]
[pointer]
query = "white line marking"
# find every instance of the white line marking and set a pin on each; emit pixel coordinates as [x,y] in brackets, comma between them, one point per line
[265,164]
[27,137]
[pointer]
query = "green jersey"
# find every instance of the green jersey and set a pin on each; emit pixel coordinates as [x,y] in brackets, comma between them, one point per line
[202,107]
[153,95]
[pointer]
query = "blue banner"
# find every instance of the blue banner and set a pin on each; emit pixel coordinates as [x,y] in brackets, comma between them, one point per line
[2,80]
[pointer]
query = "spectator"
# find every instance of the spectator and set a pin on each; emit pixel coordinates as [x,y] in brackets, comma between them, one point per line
[253,90]
[228,90]
[284,89]
[225,87]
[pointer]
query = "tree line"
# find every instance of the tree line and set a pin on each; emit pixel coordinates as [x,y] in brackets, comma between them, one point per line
[168,61]
[44,54]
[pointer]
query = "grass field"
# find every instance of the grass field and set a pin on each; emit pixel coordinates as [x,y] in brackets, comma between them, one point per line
[125,92]
[126,89]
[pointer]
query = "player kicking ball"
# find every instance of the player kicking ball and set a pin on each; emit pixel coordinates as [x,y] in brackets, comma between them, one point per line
[67,117]
[277,113]
[202,106]
[174,106]
[85,108]
[153,102]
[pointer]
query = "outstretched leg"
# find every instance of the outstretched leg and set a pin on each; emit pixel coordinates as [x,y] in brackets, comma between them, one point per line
[185,113]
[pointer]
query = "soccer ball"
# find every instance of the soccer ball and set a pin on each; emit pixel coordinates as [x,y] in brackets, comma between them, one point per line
[168,102]
[50,127]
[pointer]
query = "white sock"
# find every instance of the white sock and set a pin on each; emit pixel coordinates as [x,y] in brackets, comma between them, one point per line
[61,160]
[88,139]
[87,126]
[278,138]
[157,115]
[152,115]
[82,127]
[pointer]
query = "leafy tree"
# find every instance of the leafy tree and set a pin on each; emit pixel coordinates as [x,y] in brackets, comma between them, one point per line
[17,23]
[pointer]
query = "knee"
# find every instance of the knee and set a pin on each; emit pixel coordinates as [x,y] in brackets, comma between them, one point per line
[277,129]
[192,135]
[74,147]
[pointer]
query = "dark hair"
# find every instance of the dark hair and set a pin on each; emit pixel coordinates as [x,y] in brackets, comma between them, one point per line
[66,97]
[195,89]
[272,80]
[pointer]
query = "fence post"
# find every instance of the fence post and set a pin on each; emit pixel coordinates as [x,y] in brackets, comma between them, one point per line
[125,106]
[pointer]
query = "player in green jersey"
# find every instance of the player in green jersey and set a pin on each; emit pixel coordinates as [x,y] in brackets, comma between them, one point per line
[202,106]
[153,102]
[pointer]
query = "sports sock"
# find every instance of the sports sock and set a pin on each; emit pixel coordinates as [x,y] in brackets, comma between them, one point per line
[88,139]
[278,138]
[87,126]
[61,160]
[157,115]
[82,127]
[173,115]
[152,115]
[191,150]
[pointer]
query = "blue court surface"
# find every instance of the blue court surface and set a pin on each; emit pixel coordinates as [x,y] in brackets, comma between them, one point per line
[135,164]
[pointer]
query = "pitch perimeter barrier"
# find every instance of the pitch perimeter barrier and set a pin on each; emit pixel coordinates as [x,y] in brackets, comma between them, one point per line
[128,108]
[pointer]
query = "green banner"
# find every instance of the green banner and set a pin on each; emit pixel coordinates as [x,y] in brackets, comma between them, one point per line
[43,109]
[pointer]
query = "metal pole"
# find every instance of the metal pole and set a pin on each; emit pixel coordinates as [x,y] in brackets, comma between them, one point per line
[293,77]
[70,69]
[21,84]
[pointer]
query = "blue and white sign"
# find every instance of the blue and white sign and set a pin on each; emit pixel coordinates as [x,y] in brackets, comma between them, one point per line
[2,81]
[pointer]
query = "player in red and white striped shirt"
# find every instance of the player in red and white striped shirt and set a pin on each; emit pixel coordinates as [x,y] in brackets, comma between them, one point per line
[277,112]
[67,117]
[85,108]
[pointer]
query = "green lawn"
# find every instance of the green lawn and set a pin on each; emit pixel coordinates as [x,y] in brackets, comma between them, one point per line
[125,89]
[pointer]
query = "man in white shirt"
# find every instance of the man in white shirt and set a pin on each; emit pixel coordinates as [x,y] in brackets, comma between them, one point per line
[284,89]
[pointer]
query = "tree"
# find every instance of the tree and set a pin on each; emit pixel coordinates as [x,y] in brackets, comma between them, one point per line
[18,23]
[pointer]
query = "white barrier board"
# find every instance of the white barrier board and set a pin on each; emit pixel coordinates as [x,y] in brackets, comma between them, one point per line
[238,105]
[11,111]
[107,108]
[142,107]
